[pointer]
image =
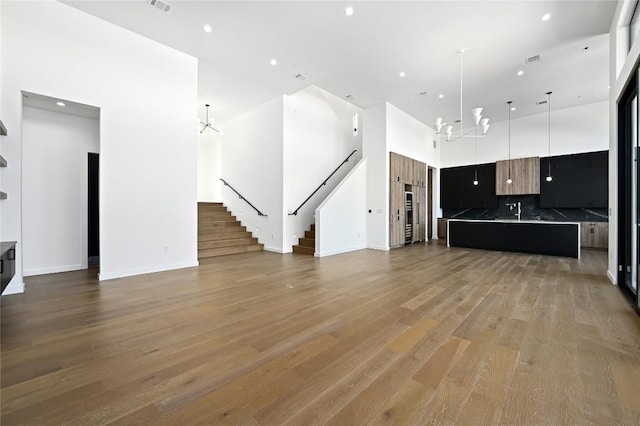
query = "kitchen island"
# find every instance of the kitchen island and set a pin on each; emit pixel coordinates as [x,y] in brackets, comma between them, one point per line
[524,236]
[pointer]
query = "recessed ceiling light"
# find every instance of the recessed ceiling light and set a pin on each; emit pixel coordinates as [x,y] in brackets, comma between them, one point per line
[348,11]
[60,103]
[440,96]
[513,108]
[520,72]
[402,74]
[207,28]
[545,17]
[273,62]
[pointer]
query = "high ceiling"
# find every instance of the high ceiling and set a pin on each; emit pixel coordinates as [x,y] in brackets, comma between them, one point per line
[362,55]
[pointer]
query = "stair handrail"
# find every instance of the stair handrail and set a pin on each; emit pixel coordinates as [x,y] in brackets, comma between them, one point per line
[242,198]
[324,182]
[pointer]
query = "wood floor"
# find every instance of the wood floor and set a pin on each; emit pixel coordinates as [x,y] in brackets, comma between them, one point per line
[419,335]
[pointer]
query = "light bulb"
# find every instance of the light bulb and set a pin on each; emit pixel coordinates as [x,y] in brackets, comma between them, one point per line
[509,181]
[475,182]
[549,178]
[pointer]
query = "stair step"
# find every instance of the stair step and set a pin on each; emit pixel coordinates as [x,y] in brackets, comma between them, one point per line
[216,217]
[204,245]
[307,242]
[210,204]
[313,226]
[310,234]
[225,234]
[229,250]
[304,250]
[212,210]
[218,224]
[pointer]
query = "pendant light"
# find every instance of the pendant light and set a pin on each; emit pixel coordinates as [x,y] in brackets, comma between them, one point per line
[475,173]
[509,180]
[208,124]
[549,178]
[441,126]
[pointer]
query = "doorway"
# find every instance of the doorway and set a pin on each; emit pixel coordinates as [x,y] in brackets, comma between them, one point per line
[93,210]
[60,142]
[628,191]
[430,193]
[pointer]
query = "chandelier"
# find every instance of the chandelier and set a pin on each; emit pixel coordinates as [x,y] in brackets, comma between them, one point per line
[480,123]
[208,124]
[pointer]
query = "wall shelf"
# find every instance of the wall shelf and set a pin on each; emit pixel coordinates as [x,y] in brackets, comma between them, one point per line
[3,162]
[3,195]
[3,130]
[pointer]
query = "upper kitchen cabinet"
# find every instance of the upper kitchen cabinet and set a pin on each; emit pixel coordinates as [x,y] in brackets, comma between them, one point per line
[406,170]
[457,190]
[525,176]
[578,181]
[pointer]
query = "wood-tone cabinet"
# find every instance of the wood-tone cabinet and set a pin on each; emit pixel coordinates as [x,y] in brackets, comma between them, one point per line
[407,170]
[594,234]
[525,176]
[406,175]
[442,229]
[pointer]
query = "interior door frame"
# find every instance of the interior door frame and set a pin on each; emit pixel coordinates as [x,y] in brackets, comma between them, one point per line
[627,141]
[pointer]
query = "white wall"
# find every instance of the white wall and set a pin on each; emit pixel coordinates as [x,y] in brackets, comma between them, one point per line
[341,219]
[209,166]
[318,136]
[147,93]
[54,189]
[252,163]
[411,138]
[376,153]
[583,128]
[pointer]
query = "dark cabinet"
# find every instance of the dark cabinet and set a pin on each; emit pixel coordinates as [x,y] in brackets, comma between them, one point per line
[457,190]
[555,239]
[579,181]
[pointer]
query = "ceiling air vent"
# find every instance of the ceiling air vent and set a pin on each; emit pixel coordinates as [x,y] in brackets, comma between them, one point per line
[541,102]
[159,4]
[300,76]
[424,93]
[532,59]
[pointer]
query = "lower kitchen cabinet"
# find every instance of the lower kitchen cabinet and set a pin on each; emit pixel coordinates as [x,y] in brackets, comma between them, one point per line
[594,234]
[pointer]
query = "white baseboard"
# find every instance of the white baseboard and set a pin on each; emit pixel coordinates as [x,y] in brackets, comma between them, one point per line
[378,248]
[54,269]
[612,278]
[14,287]
[102,276]
[276,250]
[339,251]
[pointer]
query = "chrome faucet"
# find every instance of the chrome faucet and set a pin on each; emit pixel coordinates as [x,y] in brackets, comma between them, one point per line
[519,208]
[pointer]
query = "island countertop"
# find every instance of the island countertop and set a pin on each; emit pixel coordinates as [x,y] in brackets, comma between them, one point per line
[524,236]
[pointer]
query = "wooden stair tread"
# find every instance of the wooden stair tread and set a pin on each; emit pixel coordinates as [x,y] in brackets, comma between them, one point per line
[204,245]
[304,250]
[229,250]
[220,233]
[217,236]
[307,242]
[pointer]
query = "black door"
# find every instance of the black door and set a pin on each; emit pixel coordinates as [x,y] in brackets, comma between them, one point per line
[93,210]
[628,191]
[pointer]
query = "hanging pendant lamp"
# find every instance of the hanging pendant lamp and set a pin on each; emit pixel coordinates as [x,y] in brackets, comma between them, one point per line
[208,125]
[509,180]
[475,174]
[549,178]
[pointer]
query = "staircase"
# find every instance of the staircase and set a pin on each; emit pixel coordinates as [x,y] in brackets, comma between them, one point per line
[307,245]
[219,233]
